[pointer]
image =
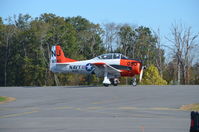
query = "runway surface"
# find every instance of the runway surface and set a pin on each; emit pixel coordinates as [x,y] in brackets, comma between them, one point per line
[97,109]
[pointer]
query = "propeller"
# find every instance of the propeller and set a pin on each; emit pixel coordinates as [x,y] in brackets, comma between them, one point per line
[141,72]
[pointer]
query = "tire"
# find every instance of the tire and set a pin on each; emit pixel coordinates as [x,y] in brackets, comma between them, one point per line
[134,83]
[115,84]
[106,85]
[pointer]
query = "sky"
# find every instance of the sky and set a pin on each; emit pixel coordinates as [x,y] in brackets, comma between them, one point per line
[155,14]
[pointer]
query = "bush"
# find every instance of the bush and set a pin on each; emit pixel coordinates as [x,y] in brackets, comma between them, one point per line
[152,77]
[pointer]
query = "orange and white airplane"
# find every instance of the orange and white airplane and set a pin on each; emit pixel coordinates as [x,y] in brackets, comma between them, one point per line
[110,66]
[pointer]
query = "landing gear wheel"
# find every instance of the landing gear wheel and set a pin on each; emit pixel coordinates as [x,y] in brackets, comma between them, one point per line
[106,81]
[115,84]
[106,85]
[114,81]
[134,82]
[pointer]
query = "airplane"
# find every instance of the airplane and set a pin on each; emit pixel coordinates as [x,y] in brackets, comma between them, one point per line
[110,66]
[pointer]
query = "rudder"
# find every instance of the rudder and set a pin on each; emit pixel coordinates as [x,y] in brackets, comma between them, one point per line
[60,56]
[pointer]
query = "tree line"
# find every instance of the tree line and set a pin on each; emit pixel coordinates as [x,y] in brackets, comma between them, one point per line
[25,44]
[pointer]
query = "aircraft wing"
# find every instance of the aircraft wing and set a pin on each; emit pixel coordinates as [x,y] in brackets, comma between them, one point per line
[100,69]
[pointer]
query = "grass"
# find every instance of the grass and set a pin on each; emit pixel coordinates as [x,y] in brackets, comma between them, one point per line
[2,98]
[191,107]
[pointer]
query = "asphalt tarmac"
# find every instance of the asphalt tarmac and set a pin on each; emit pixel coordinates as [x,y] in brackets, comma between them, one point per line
[97,109]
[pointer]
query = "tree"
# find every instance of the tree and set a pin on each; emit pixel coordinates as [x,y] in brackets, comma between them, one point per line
[127,40]
[89,40]
[152,77]
[195,74]
[89,37]
[160,59]
[58,32]
[2,45]
[25,45]
[146,49]
[110,36]
[140,43]
[183,42]
[7,38]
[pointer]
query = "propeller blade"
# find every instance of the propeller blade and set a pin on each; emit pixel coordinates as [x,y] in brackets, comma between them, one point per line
[141,73]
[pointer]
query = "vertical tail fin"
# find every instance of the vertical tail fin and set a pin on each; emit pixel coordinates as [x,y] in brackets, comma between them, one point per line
[60,56]
[57,56]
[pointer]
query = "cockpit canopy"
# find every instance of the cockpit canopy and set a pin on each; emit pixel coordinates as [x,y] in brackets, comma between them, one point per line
[111,56]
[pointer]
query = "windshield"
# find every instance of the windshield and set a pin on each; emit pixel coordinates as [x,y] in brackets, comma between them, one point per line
[111,56]
[124,57]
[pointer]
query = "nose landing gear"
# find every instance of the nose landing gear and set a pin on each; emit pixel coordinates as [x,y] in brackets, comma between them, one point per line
[134,82]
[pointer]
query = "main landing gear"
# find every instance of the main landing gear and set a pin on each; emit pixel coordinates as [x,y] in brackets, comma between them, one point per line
[134,82]
[106,81]
[113,81]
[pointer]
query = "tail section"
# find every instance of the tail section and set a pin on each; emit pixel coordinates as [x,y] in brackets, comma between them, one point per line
[60,56]
[57,56]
